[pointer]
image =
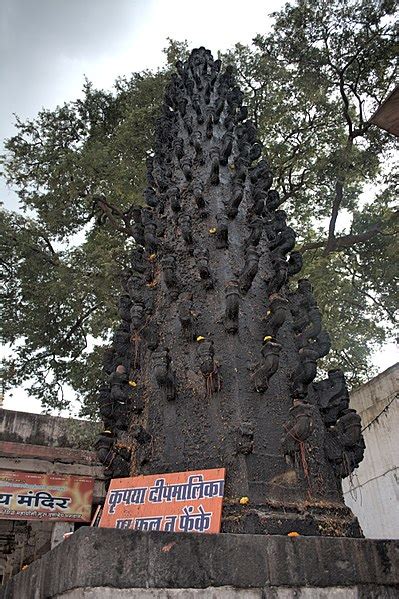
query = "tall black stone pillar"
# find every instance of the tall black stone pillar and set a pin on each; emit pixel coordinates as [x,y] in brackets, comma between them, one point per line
[214,361]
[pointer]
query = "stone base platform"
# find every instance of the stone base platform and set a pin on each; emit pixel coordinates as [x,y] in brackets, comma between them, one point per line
[115,564]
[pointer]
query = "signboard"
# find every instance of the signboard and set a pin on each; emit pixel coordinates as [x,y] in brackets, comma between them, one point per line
[28,496]
[175,502]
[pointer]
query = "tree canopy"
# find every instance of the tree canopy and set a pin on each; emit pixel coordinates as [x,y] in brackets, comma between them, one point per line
[311,85]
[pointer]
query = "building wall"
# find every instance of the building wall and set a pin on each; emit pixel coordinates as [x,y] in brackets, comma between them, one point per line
[373,491]
[42,444]
[39,429]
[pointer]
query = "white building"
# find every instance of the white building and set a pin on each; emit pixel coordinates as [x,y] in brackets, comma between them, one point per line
[373,491]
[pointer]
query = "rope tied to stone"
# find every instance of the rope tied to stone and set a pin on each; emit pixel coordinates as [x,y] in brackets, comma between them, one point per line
[135,339]
[212,382]
[303,460]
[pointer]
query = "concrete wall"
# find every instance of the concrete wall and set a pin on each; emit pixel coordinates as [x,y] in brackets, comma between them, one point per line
[102,563]
[231,593]
[373,492]
[42,444]
[39,429]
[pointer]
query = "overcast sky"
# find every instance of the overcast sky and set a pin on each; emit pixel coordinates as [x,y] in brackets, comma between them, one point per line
[48,46]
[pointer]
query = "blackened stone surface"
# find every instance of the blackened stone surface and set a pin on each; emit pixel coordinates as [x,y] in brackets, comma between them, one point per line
[376,592]
[107,558]
[222,379]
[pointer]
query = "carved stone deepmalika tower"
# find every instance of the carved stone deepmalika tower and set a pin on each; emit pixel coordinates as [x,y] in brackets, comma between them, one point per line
[213,364]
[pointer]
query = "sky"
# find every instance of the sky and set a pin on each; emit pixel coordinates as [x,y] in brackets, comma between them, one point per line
[47,47]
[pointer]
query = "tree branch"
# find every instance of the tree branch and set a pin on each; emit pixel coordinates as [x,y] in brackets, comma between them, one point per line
[109,211]
[342,243]
[339,194]
[79,322]
[365,293]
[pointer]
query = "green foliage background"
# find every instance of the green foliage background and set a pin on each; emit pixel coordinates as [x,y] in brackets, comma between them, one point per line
[311,85]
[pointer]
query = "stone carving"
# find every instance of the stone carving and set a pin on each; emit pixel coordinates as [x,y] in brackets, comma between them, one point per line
[261,175]
[305,371]
[285,241]
[250,270]
[118,381]
[219,106]
[273,200]
[344,444]
[278,226]
[268,365]
[258,206]
[245,443]
[190,86]
[213,259]
[232,294]
[137,316]
[137,260]
[209,367]
[295,262]
[299,426]
[196,141]
[333,396]
[279,276]
[197,107]
[106,406]
[236,199]
[121,341]
[178,147]
[119,467]
[198,193]
[163,373]
[276,315]
[150,334]
[169,270]
[313,328]
[241,169]
[227,146]
[201,256]
[186,166]
[174,198]
[322,344]
[305,289]
[188,123]
[137,227]
[256,227]
[349,431]
[186,228]
[139,293]
[151,197]
[103,447]
[210,120]
[222,233]
[255,152]
[215,160]
[109,360]
[187,316]
[124,307]
[151,242]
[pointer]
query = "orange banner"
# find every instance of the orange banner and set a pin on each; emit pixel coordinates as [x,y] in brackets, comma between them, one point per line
[28,496]
[174,502]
